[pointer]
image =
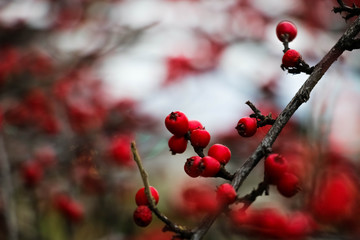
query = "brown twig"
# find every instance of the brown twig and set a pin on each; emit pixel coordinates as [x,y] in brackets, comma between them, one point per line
[182,231]
[300,97]
[248,199]
[262,119]
[350,11]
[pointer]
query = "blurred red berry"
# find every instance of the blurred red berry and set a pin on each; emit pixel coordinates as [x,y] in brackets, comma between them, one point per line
[336,200]
[268,222]
[141,199]
[220,153]
[70,208]
[32,173]
[299,225]
[120,151]
[275,166]
[177,123]
[226,194]
[286,30]
[247,126]
[288,185]
[142,216]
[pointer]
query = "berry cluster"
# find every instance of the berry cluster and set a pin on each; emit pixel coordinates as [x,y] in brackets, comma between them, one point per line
[183,130]
[142,214]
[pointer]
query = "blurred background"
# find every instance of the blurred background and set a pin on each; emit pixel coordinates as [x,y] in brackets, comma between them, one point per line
[81,79]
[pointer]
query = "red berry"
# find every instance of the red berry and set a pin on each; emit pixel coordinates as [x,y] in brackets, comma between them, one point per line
[32,173]
[286,29]
[275,166]
[268,222]
[291,58]
[192,166]
[194,124]
[220,153]
[288,185]
[239,217]
[120,152]
[299,225]
[247,126]
[200,138]
[209,166]
[141,199]
[74,211]
[226,194]
[177,144]
[336,200]
[177,123]
[142,216]
[71,209]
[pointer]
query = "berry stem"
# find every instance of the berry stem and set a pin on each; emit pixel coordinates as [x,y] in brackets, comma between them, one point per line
[223,173]
[181,230]
[286,43]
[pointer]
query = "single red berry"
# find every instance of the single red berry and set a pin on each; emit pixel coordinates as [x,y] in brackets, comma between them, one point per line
[192,166]
[74,211]
[291,58]
[226,194]
[288,185]
[194,124]
[220,153]
[119,150]
[239,217]
[32,173]
[177,123]
[275,166]
[200,138]
[177,144]
[247,126]
[268,223]
[209,166]
[299,225]
[286,30]
[71,209]
[142,216]
[336,200]
[141,199]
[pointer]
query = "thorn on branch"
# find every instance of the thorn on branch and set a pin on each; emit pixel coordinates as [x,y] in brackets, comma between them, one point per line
[262,119]
[248,199]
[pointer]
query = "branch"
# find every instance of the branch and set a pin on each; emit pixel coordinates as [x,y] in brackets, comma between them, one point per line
[300,97]
[350,11]
[251,197]
[182,231]
[7,192]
